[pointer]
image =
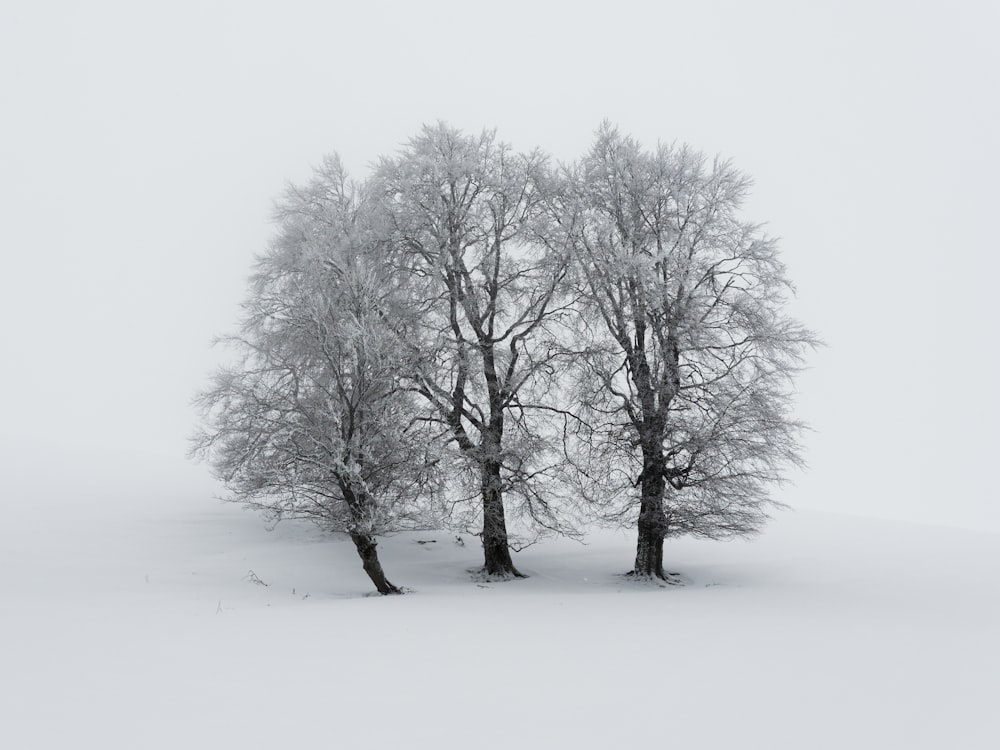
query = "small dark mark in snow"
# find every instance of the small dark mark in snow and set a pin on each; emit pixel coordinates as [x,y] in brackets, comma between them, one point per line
[254,578]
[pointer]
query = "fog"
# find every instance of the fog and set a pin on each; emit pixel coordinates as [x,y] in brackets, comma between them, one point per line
[142,148]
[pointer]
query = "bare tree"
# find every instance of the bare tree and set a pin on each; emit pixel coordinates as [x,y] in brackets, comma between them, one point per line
[686,387]
[314,422]
[461,211]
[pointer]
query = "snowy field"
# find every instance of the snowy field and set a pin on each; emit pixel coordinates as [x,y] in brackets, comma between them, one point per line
[140,625]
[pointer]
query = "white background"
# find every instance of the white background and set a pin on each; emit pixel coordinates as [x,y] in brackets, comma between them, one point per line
[141,146]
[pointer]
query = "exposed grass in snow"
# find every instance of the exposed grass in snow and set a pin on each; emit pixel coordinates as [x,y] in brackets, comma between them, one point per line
[187,624]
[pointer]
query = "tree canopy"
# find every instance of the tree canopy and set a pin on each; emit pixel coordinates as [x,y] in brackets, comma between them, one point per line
[604,340]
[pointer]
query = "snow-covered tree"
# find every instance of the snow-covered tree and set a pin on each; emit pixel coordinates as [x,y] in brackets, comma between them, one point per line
[314,422]
[684,389]
[620,325]
[483,290]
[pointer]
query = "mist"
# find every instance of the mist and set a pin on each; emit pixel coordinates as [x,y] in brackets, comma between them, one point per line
[142,148]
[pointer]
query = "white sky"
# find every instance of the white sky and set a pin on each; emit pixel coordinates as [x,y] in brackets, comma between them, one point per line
[141,146]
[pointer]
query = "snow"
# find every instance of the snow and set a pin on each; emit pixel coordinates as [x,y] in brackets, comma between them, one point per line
[138,624]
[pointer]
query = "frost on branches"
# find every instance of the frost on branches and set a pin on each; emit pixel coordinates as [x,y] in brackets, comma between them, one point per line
[314,421]
[685,387]
[462,214]
[474,326]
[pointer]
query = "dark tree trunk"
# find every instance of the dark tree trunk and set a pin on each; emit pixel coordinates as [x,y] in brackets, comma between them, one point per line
[652,524]
[366,547]
[496,552]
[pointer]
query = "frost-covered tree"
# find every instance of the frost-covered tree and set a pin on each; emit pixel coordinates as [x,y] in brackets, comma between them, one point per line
[483,290]
[624,313]
[314,422]
[684,390]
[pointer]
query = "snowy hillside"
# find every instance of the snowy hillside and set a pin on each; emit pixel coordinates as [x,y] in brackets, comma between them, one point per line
[143,627]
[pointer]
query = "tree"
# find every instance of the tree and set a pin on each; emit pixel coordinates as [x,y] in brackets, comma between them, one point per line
[461,211]
[687,381]
[314,422]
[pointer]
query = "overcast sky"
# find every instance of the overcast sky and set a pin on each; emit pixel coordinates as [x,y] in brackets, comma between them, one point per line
[141,146]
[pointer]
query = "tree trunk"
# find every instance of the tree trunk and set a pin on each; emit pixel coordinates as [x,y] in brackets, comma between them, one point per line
[652,524]
[496,551]
[366,545]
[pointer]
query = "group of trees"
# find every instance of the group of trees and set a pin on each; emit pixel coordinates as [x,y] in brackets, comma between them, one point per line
[474,333]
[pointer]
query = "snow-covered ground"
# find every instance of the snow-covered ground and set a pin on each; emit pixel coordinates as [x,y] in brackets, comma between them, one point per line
[140,625]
